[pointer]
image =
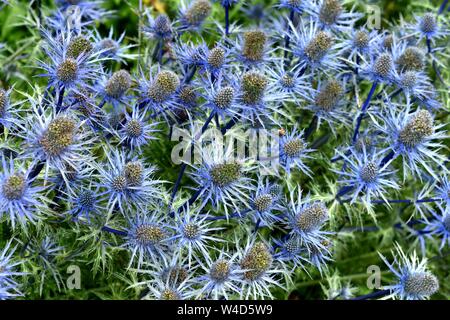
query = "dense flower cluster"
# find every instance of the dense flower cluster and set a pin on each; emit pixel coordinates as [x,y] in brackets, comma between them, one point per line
[354,121]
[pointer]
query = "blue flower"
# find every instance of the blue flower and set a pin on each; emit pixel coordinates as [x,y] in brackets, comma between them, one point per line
[8,110]
[136,132]
[159,28]
[127,183]
[443,190]
[439,225]
[316,49]
[158,92]
[380,68]
[19,199]
[361,43]
[328,103]
[221,278]
[415,137]
[266,203]
[215,61]
[222,181]
[294,5]
[259,270]
[367,175]
[72,64]
[113,88]
[252,47]
[193,232]
[111,48]
[9,288]
[290,83]
[429,27]
[58,139]
[90,9]
[86,202]
[330,14]
[293,150]
[306,218]
[194,14]
[148,238]
[413,280]
[222,98]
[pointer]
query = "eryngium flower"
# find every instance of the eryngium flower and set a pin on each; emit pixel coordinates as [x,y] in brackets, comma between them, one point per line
[416,138]
[221,278]
[222,181]
[266,203]
[128,183]
[293,150]
[9,288]
[113,88]
[315,48]
[111,48]
[306,219]
[293,5]
[58,139]
[258,271]
[380,68]
[194,15]
[414,281]
[439,225]
[365,173]
[148,238]
[330,14]
[136,132]
[252,47]
[159,28]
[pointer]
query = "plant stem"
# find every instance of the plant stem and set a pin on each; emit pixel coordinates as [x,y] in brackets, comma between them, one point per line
[227,20]
[373,295]
[363,111]
[111,230]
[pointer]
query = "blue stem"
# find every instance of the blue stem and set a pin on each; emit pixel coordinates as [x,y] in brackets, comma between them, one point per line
[227,20]
[442,7]
[287,38]
[373,295]
[364,110]
[111,230]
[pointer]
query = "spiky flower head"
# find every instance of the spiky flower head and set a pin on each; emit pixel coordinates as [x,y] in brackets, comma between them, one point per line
[411,59]
[79,45]
[159,27]
[413,280]
[118,84]
[253,48]
[330,14]
[9,288]
[164,86]
[293,150]
[195,14]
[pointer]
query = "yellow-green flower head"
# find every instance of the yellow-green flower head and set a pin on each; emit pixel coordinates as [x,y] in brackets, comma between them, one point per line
[118,84]
[256,261]
[165,84]
[418,127]
[58,136]
[77,46]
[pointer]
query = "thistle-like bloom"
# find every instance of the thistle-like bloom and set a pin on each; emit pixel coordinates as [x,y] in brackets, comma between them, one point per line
[366,174]
[7,110]
[158,92]
[408,58]
[113,88]
[291,253]
[380,68]
[306,218]
[193,232]
[221,278]
[222,98]
[328,104]
[297,6]
[429,27]
[330,14]
[9,288]
[416,138]
[258,270]
[136,132]
[413,280]
[361,43]
[72,64]
[58,139]
[252,47]
[416,85]
[148,238]
[443,190]
[19,199]
[266,203]
[258,97]
[112,48]
[90,9]
[222,181]
[290,83]
[214,61]
[159,28]
[315,48]
[194,14]
[127,183]
[439,226]
[191,55]
[86,202]
[293,150]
